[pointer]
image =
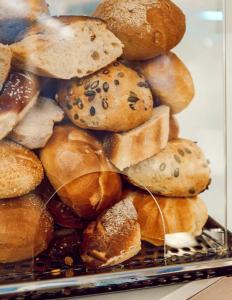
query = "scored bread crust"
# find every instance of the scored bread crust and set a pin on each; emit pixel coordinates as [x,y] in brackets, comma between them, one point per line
[136,145]
[178,215]
[79,172]
[113,238]
[66,47]
[147,28]
[20,170]
[179,170]
[26,228]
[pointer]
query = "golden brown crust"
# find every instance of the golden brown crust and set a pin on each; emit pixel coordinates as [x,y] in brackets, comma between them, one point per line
[113,238]
[5,63]
[114,99]
[174,130]
[170,80]
[78,170]
[180,170]
[146,28]
[179,215]
[20,170]
[26,228]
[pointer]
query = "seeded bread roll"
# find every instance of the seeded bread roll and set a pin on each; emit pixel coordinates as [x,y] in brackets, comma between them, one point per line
[66,47]
[26,228]
[113,238]
[180,170]
[16,16]
[147,28]
[18,96]
[78,170]
[186,215]
[170,80]
[131,147]
[20,170]
[114,99]
[5,63]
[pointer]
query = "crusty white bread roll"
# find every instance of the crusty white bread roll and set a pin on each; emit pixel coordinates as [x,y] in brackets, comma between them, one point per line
[26,228]
[78,170]
[174,130]
[131,147]
[114,99]
[20,170]
[66,47]
[146,28]
[17,15]
[36,127]
[19,94]
[5,63]
[113,238]
[186,215]
[180,170]
[170,80]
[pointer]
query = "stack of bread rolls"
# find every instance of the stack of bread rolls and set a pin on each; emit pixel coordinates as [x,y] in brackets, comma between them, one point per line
[108,142]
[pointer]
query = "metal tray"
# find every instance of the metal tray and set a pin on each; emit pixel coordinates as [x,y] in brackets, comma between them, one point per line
[47,278]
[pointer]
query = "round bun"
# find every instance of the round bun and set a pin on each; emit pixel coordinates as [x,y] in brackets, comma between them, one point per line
[170,81]
[20,170]
[174,128]
[26,228]
[180,170]
[179,214]
[78,170]
[113,238]
[146,28]
[115,99]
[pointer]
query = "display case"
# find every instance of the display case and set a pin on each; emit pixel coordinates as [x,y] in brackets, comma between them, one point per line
[194,239]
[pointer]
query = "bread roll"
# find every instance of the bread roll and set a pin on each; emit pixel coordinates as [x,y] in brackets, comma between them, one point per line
[146,28]
[180,170]
[113,238]
[66,47]
[26,228]
[170,80]
[18,96]
[36,128]
[20,170]
[5,63]
[178,215]
[17,15]
[78,170]
[174,130]
[113,99]
[131,147]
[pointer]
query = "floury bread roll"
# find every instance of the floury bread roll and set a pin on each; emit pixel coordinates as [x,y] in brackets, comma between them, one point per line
[78,170]
[113,238]
[17,15]
[179,215]
[131,147]
[26,228]
[114,99]
[174,128]
[20,170]
[66,47]
[147,28]
[170,80]
[180,170]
